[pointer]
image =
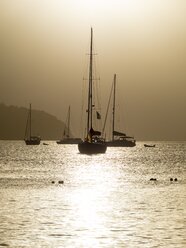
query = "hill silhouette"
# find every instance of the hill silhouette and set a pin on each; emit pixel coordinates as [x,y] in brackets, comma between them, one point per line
[13,123]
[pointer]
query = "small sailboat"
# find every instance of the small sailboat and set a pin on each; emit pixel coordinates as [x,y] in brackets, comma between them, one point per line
[119,139]
[93,143]
[66,139]
[29,138]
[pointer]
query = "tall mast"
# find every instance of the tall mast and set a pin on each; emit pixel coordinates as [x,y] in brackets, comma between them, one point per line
[89,119]
[68,131]
[113,111]
[30,122]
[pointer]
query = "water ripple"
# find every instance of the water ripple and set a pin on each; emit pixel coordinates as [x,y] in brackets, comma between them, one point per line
[105,200]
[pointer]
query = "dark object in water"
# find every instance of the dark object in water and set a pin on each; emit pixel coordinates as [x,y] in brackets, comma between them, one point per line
[153,179]
[61,182]
[175,179]
[171,179]
[45,144]
[53,181]
[146,145]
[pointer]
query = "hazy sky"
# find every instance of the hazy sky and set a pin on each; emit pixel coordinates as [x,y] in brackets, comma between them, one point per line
[43,49]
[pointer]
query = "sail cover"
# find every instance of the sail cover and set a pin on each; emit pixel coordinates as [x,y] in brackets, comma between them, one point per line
[116,133]
[93,132]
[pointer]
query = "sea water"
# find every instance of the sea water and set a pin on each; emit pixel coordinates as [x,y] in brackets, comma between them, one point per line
[52,196]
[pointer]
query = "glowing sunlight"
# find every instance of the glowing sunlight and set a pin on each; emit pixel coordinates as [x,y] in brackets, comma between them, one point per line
[90,204]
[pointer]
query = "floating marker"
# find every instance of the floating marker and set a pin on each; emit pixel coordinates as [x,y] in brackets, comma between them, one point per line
[61,182]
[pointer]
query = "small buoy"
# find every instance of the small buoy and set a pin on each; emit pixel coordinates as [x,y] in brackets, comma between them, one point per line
[153,179]
[53,181]
[171,179]
[61,182]
[175,179]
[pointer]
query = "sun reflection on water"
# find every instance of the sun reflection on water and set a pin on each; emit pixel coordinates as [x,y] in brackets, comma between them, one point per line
[91,203]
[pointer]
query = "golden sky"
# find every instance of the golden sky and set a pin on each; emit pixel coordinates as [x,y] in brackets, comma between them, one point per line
[44,46]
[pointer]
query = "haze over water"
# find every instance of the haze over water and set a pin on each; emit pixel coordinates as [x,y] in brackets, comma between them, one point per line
[105,201]
[44,46]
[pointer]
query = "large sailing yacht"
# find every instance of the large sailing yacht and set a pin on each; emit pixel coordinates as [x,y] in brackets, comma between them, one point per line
[93,143]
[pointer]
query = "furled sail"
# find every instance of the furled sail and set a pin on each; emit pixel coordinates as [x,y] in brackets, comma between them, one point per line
[116,133]
[93,132]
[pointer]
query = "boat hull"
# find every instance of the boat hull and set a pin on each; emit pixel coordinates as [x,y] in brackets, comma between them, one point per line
[121,143]
[92,148]
[31,142]
[34,141]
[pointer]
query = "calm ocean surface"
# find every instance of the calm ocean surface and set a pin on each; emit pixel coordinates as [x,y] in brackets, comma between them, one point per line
[105,201]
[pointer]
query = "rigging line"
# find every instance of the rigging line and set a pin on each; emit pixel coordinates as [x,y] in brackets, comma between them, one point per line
[97,83]
[83,106]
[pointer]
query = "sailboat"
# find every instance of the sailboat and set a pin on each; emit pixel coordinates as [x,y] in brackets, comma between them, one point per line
[119,139]
[93,143]
[29,139]
[66,139]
